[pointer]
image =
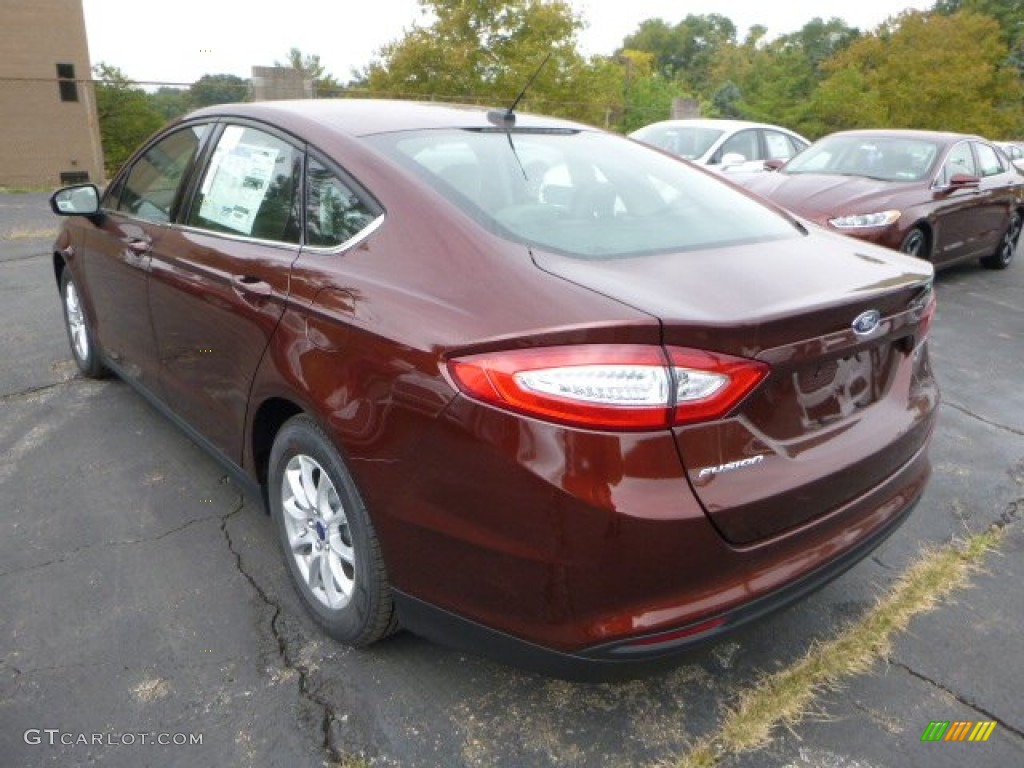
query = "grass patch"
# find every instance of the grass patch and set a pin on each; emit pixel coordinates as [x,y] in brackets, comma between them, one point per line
[24,190]
[783,697]
[26,233]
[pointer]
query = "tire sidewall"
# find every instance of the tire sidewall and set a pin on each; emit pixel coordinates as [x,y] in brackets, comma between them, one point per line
[916,234]
[1003,256]
[89,365]
[354,623]
[1008,247]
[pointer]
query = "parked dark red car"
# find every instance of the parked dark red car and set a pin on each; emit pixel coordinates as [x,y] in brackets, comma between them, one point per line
[945,197]
[511,382]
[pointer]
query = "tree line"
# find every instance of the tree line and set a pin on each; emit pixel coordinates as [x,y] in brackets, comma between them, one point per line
[958,66]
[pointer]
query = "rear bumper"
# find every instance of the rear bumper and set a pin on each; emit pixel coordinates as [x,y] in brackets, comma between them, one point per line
[641,654]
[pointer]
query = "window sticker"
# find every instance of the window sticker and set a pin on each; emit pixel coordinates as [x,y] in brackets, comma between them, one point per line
[236,185]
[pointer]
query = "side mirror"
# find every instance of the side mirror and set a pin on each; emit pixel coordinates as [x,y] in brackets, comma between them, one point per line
[79,200]
[963,181]
[730,159]
[774,164]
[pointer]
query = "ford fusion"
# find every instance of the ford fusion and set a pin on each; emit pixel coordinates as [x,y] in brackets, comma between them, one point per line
[513,383]
[944,197]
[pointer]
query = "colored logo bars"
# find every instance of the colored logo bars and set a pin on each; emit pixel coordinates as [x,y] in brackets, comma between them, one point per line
[958,730]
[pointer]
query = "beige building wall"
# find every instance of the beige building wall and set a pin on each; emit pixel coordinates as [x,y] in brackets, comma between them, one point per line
[41,136]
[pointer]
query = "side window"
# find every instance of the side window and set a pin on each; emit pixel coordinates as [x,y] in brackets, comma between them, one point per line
[988,160]
[251,187]
[960,160]
[152,184]
[334,214]
[779,146]
[743,143]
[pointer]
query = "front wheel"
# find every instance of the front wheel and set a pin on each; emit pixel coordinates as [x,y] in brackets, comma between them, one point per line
[325,533]
[915,243]
[1003,254]
[80,336]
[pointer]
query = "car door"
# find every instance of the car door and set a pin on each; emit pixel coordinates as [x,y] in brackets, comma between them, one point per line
[743,144]
[996,198]
[219,283]
[779,146]
[955,208]
[137,210]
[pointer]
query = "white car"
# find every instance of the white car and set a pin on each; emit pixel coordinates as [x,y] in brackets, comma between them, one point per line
[727,146]
[1015,151]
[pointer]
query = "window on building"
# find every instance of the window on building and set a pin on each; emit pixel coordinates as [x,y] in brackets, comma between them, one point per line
[66,82]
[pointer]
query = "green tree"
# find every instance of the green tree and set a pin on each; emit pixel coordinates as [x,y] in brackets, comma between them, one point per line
[1009,14]
[126,115]
[927,70]
[487,50]
[170,102]
[647,93]
[218,89]
[774,81]
[324,83]
[687,50]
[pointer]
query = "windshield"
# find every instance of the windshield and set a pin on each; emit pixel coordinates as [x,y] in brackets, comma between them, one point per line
[885,158]
[581,193]
[687,141]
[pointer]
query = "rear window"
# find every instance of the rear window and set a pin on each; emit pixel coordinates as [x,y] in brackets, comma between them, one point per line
[584,194]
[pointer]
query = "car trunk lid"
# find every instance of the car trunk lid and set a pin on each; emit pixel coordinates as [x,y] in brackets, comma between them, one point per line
[840,411]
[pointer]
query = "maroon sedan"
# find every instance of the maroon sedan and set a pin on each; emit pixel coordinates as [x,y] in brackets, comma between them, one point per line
[944,197]
[510,382]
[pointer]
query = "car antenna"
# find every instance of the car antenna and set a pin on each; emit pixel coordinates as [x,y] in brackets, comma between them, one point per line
[507,118]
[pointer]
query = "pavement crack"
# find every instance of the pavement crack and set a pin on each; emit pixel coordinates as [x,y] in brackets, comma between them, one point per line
[966,701]
[64,556]
[32,391]
[982,419]
[13,259]
[288,659]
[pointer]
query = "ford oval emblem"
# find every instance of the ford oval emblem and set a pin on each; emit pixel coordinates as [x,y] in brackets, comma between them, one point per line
[866,322]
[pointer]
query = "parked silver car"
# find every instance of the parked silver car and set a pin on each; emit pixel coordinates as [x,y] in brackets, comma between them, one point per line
[727,146]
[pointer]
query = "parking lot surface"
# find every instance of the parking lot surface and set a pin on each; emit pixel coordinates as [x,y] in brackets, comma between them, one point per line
[143,598]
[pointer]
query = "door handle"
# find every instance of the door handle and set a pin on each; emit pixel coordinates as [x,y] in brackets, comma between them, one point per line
[251,284]
[139,246]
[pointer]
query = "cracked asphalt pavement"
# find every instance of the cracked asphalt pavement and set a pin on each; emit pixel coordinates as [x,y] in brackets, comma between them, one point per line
[142,594]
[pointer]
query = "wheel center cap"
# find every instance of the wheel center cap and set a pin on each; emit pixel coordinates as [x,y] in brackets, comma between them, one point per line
[321,530]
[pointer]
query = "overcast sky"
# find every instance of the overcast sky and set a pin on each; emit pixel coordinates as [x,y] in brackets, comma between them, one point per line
[190,38]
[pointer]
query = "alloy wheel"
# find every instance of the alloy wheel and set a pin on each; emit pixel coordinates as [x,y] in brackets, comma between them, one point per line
[76,322]
[318,532]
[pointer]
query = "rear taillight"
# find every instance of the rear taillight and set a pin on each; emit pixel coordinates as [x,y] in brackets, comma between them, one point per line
[927,316]
[615,387]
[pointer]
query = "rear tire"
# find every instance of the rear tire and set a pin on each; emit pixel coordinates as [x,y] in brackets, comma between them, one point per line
[916,243]
[1007,247]
[80,335]
[329,544]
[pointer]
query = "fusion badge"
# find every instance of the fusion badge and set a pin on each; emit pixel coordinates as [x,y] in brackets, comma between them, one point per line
[729,466]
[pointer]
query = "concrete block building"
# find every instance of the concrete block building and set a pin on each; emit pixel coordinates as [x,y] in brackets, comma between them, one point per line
[48,124]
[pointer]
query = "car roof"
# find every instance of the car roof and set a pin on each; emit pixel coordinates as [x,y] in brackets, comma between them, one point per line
[362,117]
[720,124]
[946,137]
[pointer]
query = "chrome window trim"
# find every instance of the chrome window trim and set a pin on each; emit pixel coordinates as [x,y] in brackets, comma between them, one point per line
[353,241]
[364,233]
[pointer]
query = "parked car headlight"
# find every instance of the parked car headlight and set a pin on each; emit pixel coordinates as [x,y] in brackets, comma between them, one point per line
[865,220]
